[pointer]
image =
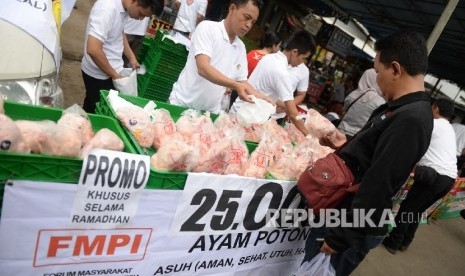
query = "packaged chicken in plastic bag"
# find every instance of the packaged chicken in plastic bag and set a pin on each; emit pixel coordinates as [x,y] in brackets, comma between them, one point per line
[103,139]
[282,166]
[317,125]
[213,156]
[11,139]
[40,136]
[272,129]
[163,126]
[192,126]
[76,118]
[74,130]
[224,121]
[295,135]
[174,155]
[237,152]
[261,157]
[138,122]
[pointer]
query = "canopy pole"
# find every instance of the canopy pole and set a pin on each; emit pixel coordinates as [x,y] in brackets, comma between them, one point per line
[439,27]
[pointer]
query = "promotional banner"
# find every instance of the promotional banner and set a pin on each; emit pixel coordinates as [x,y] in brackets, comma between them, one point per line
[221,233]
[109,189]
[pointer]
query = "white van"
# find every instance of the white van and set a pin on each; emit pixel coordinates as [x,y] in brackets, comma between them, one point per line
[28,70]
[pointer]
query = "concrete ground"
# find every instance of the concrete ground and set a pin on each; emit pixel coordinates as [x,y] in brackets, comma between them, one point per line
[437,250]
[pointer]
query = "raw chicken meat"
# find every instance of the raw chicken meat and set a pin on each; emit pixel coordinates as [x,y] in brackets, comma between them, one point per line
[317,125]
[72,132]
[137,121]
[75,117]
[191,122]
[174,155]
[237,157]
[260,158]
[272,129]
[253,133]
[214,160]
[40,136]
[308,152]
[11,139]
[103,139]
[163,127]
[295,135]
[224,121]
[283,165]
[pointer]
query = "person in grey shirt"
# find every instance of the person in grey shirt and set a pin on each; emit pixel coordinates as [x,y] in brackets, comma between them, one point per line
[359,104]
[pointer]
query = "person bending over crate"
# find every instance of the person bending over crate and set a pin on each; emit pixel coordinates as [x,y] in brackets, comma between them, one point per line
[105,43]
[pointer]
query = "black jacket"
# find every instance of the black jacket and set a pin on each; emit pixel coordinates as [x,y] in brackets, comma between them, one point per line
[381,156]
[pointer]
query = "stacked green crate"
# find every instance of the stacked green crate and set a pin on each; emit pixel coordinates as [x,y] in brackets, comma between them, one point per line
[164,62]
[144,48]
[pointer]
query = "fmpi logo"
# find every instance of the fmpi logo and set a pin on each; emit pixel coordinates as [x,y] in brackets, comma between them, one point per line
[74,246]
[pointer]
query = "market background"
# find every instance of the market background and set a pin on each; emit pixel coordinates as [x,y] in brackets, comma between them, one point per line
[438,248]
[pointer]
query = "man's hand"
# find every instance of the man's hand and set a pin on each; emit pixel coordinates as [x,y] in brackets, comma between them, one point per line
[334,141]
[326,249]
[242,92]
[134,63]
[265,98]
[280,109]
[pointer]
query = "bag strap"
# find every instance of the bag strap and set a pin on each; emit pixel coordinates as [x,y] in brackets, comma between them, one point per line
[354,101]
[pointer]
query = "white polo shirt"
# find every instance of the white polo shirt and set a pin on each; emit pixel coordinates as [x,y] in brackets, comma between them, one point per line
[106,23]
[187,14]
[459,130]
[271,77]
[192,90]
[299,77]
[136,26]
[442,148]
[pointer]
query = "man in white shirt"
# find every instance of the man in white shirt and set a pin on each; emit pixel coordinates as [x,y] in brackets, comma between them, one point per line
[135,30]
[190,14]
[459,131]
[272,77]
[299,78]
[435,175]
[217,60]
[105,43]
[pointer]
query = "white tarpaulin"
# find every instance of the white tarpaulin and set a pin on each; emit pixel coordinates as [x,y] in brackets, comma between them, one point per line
[36,237]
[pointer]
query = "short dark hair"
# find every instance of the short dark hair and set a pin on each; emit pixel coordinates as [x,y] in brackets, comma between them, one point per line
[156,5]
[269,39]
[302,41]
[408,48]
[239,3]
[445,106]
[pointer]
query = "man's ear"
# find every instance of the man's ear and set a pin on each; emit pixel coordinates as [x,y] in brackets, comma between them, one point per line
[396,68]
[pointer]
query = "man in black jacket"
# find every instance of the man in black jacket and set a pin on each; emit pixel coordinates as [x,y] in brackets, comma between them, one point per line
[383,153]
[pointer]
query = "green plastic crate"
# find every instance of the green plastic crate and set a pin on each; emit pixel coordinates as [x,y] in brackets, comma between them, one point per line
[155,88]
[158,179]
[164,61]
[49,168]
[144,48]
